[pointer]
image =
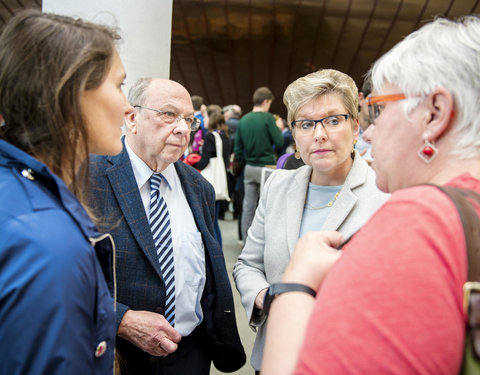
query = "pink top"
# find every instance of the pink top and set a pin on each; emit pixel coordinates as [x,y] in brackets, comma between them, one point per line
[393,302]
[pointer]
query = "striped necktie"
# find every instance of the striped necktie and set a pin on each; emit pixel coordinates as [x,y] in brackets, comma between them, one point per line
[162,236]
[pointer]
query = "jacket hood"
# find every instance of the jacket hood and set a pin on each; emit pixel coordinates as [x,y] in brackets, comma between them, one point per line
[32,169]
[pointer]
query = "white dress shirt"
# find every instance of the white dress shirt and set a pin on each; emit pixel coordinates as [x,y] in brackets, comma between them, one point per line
[188,248]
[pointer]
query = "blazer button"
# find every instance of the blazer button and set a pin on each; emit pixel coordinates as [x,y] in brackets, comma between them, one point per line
[101,349]
[160,310]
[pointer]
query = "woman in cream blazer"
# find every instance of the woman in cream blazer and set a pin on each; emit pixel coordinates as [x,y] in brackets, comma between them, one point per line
[335,191]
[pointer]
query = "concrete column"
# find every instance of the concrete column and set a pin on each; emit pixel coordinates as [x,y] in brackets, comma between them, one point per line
[145,27]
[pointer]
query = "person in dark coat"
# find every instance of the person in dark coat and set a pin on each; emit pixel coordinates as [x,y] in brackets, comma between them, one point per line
[173,318]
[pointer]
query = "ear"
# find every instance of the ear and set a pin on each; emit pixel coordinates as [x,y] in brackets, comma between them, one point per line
[441,113]
[356,129]
[131,120]
[361,98]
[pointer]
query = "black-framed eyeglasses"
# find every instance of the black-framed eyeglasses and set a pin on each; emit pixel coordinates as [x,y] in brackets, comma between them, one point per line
[170,117]
[329,123]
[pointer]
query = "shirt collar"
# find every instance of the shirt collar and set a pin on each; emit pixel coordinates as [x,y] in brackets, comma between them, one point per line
[143,172]
[168,175]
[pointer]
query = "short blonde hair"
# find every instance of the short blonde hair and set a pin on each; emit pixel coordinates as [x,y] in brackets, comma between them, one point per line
[319,83]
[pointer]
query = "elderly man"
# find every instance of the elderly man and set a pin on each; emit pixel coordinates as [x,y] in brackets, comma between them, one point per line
[175,310]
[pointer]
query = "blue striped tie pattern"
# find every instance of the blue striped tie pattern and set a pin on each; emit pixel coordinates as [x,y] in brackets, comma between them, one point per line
[162,236]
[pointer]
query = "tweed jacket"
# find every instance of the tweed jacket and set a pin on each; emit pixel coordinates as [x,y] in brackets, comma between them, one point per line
[276,227]
[115,198]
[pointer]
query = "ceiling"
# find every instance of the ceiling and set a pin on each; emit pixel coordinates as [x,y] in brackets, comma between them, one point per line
[224,49]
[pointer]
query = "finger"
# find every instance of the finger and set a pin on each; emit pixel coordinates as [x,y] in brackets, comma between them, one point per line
[331,238]
[171,333]
[154,349]
[168,345]
[260,297]
[159,352]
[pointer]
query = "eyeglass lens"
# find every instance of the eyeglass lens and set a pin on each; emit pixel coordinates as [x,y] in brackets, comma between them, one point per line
[330,123]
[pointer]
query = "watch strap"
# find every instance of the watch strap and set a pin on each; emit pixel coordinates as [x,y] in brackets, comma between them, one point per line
[280,288]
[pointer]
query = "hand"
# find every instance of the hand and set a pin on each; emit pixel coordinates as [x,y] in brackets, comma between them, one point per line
[259,298]
[150,332]
[313,257]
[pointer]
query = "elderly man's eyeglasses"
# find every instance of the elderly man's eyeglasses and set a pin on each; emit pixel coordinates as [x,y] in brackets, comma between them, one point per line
[329,123]
[375,107]
[170,117]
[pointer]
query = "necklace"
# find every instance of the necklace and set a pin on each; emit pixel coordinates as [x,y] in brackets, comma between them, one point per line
[329,204]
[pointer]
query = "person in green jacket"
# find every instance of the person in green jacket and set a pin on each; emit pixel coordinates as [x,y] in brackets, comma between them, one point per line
[256,136]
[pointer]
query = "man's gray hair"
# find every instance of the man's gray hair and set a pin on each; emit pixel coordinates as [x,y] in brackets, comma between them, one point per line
[136,94]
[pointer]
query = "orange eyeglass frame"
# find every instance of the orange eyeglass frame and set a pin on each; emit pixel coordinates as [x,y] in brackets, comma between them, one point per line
[374,109]
[385,98]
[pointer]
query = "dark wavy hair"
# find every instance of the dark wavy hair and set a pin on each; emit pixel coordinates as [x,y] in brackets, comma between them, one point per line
[46,62]
[216,121]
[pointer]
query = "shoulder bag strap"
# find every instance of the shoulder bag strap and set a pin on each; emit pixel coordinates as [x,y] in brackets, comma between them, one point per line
[218,145]
[471,226]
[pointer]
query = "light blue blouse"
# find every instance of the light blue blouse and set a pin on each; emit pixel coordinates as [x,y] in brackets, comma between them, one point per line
[316,208]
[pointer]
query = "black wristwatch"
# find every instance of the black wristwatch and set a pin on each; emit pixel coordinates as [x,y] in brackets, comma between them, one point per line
[279,288]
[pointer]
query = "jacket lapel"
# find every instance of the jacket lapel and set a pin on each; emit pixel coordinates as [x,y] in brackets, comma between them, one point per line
[343,206]
[347,199]
[191,189]
[124,186]
[295,203]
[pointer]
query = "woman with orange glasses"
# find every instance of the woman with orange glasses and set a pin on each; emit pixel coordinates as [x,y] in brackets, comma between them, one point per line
[392,301]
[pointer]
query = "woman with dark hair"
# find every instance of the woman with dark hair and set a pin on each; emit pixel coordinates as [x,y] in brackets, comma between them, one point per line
[216,123]
[61,99]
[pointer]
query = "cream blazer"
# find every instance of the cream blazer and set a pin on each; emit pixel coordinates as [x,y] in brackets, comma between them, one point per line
[276,226]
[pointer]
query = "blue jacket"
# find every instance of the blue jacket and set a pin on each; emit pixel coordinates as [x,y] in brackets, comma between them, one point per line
[56,291]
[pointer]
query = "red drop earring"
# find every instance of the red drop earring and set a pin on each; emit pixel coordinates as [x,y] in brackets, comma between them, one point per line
[428,151]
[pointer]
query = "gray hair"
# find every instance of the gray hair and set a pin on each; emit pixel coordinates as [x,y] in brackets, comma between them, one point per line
[136,94]
[237,110]
[316,84]
[234,109]
[443,53]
